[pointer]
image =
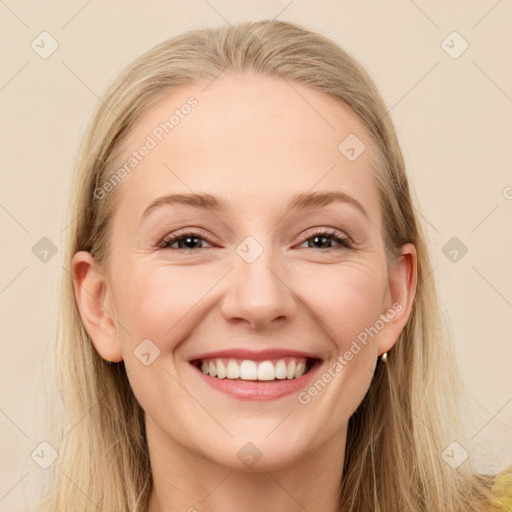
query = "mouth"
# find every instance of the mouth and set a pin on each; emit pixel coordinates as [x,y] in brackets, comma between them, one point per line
[268,370]
[246,374]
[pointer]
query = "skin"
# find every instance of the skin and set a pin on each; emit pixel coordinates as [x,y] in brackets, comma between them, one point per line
[256,142]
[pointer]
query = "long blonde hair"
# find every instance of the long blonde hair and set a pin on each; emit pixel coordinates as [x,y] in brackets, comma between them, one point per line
[409,416]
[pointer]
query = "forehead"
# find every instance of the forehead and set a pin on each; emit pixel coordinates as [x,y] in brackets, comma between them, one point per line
[248,137]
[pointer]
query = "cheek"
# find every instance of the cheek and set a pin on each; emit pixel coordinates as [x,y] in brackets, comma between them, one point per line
[346,299]
[160,303]
[348,305]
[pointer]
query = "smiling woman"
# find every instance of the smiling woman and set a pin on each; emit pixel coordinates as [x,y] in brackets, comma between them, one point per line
[250,320]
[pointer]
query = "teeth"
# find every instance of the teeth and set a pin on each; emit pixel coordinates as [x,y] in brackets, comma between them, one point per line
[221,370]
[276,369]
[280,369]
[248,370]
[233,371]
[266,371]
[290,371]
[300,369]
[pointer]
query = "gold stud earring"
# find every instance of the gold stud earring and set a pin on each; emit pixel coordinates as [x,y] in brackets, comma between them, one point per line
[384,357]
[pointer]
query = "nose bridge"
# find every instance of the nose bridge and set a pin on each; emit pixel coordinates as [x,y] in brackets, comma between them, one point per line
[258,292]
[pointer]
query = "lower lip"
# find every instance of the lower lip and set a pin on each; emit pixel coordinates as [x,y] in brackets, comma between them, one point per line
[259,390]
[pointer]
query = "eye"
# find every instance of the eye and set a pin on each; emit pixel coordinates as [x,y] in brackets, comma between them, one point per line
[324,238]
[190,240]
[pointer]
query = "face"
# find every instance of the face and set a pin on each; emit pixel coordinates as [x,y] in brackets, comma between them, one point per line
[280,264]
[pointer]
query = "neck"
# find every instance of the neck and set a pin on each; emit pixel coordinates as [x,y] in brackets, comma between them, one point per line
[184,481]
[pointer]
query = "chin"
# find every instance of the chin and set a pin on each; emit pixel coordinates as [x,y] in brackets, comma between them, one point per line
[259,454]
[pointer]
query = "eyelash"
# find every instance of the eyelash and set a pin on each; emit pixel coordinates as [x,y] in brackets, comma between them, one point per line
[343,241]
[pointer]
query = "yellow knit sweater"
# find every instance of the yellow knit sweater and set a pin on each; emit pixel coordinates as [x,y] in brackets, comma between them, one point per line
[501,497]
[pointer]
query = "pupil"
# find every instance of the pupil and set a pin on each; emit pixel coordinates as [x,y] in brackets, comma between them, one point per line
[324,238]
[188,242]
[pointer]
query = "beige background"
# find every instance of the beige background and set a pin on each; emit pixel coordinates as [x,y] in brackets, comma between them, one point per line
[454,120]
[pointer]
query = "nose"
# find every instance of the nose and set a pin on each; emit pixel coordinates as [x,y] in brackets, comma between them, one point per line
[258,295]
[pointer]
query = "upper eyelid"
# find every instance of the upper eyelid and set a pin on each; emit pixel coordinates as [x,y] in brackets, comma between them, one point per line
[188,231]
[324,230]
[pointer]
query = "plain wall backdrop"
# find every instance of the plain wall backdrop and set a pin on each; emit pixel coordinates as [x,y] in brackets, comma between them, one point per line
[444,70]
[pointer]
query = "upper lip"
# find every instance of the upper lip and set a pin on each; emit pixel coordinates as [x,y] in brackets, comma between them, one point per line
[260,355]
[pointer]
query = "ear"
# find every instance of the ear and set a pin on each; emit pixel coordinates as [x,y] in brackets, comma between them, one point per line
[92,295]
[403,277]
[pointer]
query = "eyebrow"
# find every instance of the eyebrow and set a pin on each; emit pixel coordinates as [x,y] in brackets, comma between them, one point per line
[300,201]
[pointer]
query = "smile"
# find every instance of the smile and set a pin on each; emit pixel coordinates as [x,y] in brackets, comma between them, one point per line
[256,376]
[246,369]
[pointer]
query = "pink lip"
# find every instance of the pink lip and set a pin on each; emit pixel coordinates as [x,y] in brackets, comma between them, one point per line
[259,391]
[261,355]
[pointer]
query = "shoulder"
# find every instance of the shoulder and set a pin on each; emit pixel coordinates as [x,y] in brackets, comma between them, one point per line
[501,492]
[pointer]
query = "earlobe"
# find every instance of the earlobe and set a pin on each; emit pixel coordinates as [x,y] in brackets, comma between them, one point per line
[402,292]
[91,295]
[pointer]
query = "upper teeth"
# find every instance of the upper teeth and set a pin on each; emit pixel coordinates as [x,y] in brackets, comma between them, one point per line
[245,369]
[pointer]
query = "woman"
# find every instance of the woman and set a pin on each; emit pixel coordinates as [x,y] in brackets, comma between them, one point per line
[250,321]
